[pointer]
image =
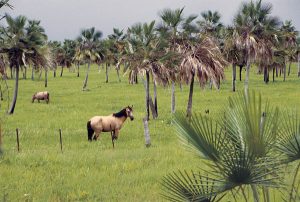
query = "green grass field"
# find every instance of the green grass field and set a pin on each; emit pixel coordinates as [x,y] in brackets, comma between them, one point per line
[95,171]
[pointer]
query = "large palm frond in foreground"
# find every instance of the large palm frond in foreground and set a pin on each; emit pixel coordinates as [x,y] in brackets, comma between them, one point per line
[289,146]
[238,151]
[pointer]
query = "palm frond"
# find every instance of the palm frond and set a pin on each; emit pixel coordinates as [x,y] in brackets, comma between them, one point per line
[200,135]
[249,123]
[289,137]
[184,186]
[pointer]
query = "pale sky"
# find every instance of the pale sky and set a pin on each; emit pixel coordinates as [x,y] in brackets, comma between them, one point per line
[63,19]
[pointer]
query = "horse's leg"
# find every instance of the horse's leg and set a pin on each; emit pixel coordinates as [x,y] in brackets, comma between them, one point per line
[112,134]
[116,134]
[96,136]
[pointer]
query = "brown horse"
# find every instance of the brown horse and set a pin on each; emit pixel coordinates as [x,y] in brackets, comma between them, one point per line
[112,123]
[41,96]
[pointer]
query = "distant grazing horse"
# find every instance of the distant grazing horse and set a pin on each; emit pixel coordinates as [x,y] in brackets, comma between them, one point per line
[41,96]
[112,123]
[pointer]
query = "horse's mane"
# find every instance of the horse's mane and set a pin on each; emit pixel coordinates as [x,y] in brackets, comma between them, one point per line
[120,113]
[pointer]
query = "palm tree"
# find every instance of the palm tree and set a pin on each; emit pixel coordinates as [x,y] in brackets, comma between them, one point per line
[2,65]
[239,149]
[16,50]
[66,54]
[88,39]
[288,34]
[24,45]
[4,3]
[231,53]
[56,48]
[118,47]
[172,20]
[255,32]
[34,27]
[145,54]
[210,23]
[203,60]
[107,48]
[278,62]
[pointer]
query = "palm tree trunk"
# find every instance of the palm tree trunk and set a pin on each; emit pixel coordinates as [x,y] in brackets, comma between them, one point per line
[241,68]
[86,76]
[173,98]
[147,95]
[40,75]
[146,132]
[155,98]
[266,194]
[62,71]
[25,73]
[136,79]
[118,74]
[106,72]
[273,74]
[289,71]
[266,74]
[131,80]
[280,71]
[190,101]
[32,73]
[255,193]
[78,69]
[284,71]
[14,100]
[151,105]
[247,75]
[233,76]
[276,71]
[11,72]
[46,78]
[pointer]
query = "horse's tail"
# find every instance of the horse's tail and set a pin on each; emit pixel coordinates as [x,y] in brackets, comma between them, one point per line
[90,130]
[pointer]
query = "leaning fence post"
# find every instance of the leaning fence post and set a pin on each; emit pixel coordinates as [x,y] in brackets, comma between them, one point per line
[146,132]
[18,143]
[60,139]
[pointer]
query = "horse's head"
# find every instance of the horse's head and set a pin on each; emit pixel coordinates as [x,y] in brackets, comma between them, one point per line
[33,97]
[129,112]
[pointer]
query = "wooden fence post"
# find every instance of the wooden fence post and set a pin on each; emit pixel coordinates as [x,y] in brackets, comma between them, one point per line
[60,139]
[18,142]
[146,132]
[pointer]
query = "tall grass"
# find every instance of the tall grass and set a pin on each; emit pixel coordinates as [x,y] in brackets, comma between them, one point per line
[95,171]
